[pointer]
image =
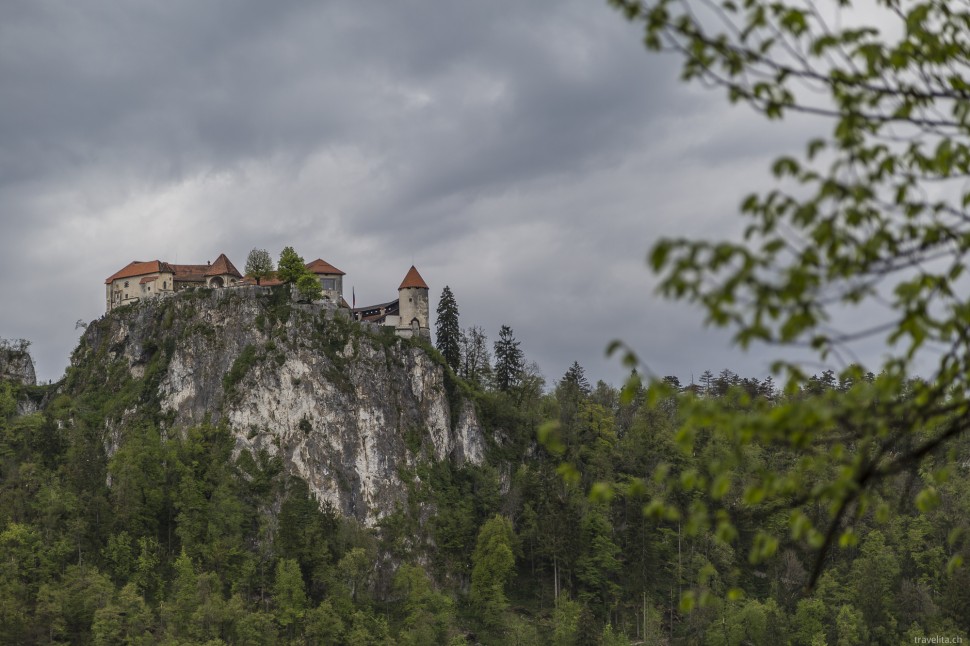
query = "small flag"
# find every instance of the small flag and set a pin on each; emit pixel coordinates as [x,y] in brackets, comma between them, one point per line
[353,297]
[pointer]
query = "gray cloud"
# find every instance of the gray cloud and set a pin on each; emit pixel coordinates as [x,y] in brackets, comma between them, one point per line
[527,154]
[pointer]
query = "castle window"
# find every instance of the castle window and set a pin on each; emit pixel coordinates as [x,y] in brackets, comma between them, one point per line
[330,283]
[164,284]
[126,283]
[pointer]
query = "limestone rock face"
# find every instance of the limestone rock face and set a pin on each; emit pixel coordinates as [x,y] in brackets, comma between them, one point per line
[346,406]
[16,363]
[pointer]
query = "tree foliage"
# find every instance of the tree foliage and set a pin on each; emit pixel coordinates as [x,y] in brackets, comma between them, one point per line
[574,383]
[291,266]
[259,264]
[293,270]
[447,330]
[868,224]
[492,563]
[196,543]
[120,525]
[509,360]
[308,287]
[476,360]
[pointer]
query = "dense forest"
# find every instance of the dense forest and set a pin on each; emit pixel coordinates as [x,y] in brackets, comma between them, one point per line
[172,537]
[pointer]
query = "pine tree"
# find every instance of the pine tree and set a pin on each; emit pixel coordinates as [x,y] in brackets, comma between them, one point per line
[575,380]
[707,380]
[508,360]
[447,332]
[572,390]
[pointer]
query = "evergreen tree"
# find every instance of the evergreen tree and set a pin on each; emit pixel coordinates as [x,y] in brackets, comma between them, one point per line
[126,620]
[508,360]
[572,390]
[575,381]
[598,566]
[875,580]
[447,332]
[259,264]
[492,564]
[324,625]
[673,382]
[707,381]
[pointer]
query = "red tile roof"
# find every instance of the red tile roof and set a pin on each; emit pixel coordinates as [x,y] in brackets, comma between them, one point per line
[320,266]
[190,273]
[221,267]
[183,273]
[413,279]
[138,268]
[148,279]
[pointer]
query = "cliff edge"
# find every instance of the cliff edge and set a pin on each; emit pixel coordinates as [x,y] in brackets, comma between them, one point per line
[15,362]
[347,406]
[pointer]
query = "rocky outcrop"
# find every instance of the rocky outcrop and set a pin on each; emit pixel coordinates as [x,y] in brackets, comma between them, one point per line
[15,362]
[347,406]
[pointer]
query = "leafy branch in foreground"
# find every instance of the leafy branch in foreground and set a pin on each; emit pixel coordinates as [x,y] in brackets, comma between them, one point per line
[869,224]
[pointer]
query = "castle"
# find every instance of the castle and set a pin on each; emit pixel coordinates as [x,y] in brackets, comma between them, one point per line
[138,280]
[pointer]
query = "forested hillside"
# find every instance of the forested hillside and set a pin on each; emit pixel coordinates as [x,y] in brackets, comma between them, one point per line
[159,533]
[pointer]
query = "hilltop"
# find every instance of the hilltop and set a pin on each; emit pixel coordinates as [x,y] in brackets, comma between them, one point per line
[345,405]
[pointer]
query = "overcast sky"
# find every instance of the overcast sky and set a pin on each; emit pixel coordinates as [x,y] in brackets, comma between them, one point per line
[525,153]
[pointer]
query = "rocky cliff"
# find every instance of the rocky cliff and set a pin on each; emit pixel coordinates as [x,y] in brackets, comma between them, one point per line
[347,406]
[15,362]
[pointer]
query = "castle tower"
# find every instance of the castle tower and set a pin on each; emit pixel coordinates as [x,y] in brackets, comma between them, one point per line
[221,273]
[413,306]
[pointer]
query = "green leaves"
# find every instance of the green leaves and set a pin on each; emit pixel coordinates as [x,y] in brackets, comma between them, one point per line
[550,437]
[659,254]
[447,330]
[785,166]
[259,264]
[291,266]
[927,499]
[764,547]
[845,226]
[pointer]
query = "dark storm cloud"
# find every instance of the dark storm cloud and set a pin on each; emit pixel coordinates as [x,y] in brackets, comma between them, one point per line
[550,116]
[526,153]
